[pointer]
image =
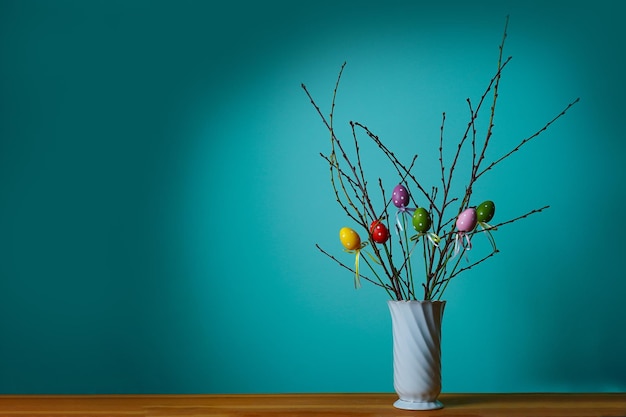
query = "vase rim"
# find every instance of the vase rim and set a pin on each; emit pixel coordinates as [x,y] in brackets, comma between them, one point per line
[417,301]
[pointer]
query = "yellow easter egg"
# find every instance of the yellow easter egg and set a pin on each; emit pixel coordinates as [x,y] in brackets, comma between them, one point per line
[349,238]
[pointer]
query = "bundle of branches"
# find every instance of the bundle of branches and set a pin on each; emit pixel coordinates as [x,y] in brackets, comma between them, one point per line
[443,227]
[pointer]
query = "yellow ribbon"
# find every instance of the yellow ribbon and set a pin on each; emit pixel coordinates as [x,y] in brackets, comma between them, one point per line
[357,252]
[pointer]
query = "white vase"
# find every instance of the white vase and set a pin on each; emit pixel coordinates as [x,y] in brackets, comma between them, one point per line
[416,328]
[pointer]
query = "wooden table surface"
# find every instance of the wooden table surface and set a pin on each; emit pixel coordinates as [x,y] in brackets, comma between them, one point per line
[332,405]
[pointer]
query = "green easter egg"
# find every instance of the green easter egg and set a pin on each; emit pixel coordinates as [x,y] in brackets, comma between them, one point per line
[485,211]
[421,220]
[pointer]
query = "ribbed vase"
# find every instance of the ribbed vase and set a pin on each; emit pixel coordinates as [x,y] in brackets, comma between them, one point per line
[416,328]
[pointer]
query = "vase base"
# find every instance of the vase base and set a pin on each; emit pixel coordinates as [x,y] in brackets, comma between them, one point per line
[418,405]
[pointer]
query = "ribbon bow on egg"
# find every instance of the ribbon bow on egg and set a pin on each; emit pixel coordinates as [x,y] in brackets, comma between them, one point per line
[466,222]
[484,213]
[421,224]
[352,242]
[400,198]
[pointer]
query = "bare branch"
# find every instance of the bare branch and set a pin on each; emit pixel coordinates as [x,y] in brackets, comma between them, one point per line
[387,287]
[528,139]
[441,260]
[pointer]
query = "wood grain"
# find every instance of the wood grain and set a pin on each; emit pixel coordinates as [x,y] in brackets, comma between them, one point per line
[331,405]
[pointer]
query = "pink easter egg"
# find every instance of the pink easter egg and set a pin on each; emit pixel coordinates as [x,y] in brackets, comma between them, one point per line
[466,220]
[400,196]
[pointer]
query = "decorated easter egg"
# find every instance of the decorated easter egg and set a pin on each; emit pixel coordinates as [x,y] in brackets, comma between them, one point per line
[485,211]
[421,220]
[466,220]
[400,196]
[349,238]
[379,232]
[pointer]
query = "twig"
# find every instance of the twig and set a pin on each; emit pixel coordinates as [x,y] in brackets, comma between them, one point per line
[523,142]
[352,270]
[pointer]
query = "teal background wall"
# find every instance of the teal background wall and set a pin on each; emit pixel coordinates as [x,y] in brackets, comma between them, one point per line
[161,193]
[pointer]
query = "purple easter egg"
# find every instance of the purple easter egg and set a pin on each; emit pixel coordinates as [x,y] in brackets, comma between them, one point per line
[400,196]
[466,222]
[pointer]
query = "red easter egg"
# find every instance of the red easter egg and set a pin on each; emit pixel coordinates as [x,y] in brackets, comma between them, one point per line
[379,232]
